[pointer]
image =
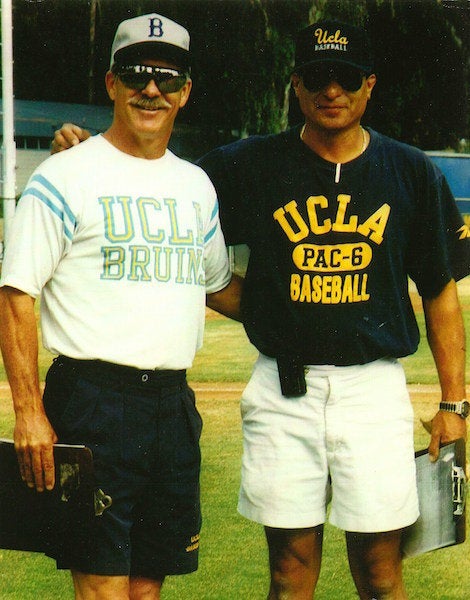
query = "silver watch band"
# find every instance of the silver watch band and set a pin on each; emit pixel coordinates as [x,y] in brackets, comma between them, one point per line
[460,408]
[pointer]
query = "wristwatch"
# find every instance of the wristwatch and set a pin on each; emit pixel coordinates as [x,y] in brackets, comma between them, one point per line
[459,408]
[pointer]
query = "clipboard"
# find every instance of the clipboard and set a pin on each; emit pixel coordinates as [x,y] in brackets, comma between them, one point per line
[38,521]
[442,490]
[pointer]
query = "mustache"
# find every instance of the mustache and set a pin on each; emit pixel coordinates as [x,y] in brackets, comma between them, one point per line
[150,103]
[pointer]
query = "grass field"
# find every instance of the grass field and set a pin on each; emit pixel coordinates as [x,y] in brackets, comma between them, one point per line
[233,560]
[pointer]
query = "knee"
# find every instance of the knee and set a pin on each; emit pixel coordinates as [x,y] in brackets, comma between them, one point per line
[376,564]
[288,567]
[144,589]
[294,562]
[290,579]
[384,578]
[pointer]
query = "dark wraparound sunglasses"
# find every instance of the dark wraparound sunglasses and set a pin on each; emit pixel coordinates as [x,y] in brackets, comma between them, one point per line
[137,77]
[317,77]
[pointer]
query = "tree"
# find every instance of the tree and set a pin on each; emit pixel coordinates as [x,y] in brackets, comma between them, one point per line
[422,67]
[246,65]
[243,53]
[50,50]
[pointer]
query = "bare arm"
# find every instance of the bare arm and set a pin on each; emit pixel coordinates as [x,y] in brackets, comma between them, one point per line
[34,436]
[67,136]
[227,301]
[446,337]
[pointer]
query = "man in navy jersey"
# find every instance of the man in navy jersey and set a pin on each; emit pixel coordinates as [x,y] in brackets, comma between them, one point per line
[337,218]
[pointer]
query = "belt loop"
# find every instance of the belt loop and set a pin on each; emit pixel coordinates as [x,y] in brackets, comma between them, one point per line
[97,369]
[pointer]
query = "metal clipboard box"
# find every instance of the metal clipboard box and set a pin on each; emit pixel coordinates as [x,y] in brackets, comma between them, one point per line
[442,490]
[38,522]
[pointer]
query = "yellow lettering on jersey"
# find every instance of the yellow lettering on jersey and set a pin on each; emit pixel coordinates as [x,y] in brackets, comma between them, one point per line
[297,230]
[360,288]
[144,205]
[176,237]
[335,294]
[158,272]
[113,218]
[113,262]
[347,293]
[295,287]
[302,227]
[140,259]
[195,267]
[153,263]
[339,224]
[180,252]
[326,289]
[306,290]
[315,226]
[316,288]
[329,289]
[375,225]
[340,257]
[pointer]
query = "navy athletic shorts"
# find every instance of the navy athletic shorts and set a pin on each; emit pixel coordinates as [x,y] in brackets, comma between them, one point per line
[143,429]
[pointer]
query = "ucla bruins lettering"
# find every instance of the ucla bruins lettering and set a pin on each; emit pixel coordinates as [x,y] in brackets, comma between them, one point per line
[168,254]
[325,259]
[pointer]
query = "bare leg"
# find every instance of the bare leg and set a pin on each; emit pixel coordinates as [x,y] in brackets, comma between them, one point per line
[145,589]
[98,587]
[376,565]
[295,560]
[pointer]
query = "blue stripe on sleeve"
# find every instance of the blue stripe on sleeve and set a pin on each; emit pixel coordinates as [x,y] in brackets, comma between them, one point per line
[215,211]
[55,202]
[210,234]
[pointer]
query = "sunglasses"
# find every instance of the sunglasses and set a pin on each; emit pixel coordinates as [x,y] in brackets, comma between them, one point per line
[318,77]
[137,77]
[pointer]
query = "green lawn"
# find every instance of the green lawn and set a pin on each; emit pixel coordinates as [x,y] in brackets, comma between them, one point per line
[233,563]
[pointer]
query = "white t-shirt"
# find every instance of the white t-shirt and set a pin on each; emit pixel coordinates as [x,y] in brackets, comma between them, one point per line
[122,251]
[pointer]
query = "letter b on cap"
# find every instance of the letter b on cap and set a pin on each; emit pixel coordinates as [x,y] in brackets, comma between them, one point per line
[155,27]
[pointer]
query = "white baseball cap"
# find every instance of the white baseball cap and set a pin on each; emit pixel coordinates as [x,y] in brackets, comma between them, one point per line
[150,36]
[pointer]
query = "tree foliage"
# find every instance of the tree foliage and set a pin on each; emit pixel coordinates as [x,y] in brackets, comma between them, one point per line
[422,67]
[243,54]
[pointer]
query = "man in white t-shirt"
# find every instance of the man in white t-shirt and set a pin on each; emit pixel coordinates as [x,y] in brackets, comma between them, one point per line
[121,241]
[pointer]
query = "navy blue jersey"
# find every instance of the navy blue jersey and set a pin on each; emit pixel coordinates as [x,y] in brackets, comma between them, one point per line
[327,277]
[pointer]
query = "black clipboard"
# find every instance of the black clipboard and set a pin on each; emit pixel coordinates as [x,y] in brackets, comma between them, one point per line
[442,490]
[38,521]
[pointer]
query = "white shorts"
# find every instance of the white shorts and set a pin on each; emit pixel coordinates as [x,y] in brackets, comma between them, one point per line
[353,428]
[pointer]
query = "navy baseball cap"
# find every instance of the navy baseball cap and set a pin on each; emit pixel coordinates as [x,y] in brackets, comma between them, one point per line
[334,42]
[151,36]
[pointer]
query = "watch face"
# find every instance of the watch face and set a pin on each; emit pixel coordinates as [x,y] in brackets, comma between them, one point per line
[465,408]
